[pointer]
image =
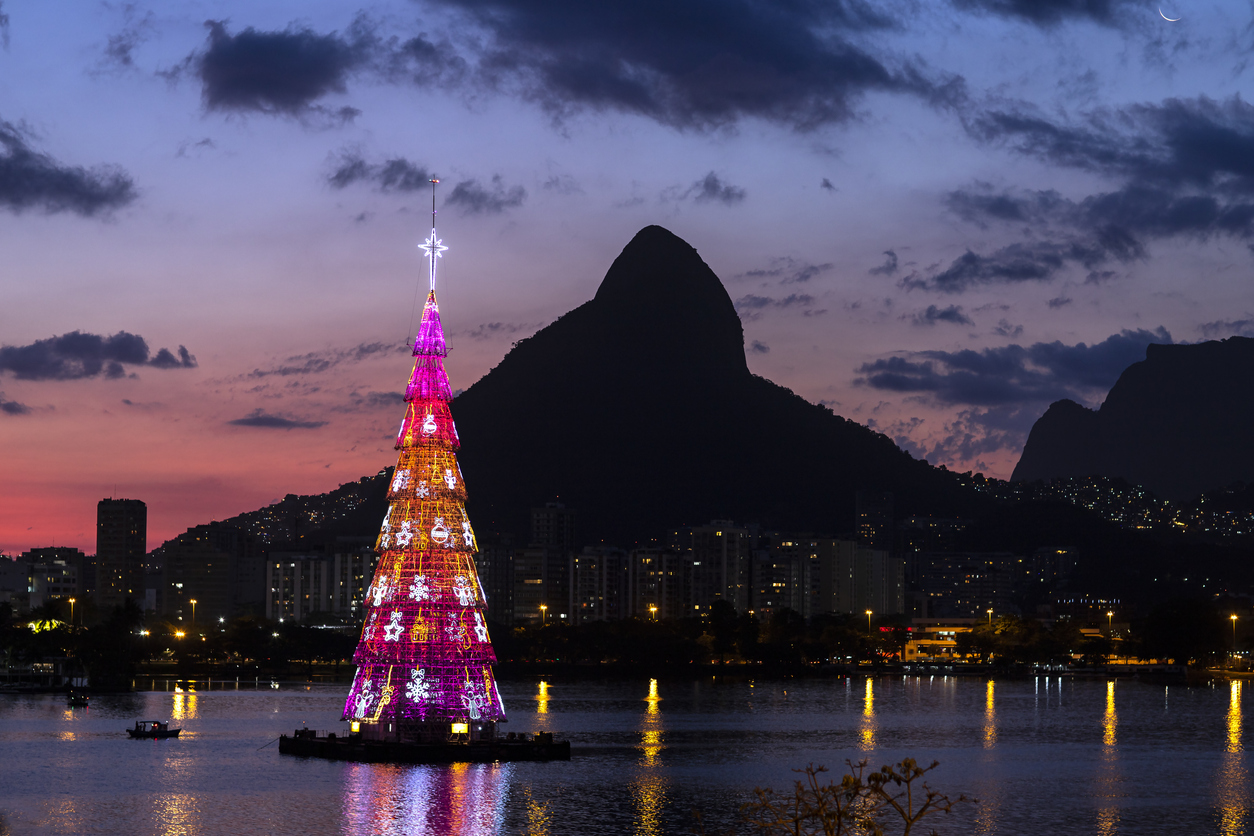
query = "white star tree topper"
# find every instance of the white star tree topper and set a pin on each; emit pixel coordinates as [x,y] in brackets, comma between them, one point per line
[434,248]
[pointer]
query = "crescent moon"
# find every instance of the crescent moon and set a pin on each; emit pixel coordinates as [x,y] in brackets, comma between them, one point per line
[1171,19]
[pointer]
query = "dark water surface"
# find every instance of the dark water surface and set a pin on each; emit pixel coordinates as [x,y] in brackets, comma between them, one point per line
[1043,756]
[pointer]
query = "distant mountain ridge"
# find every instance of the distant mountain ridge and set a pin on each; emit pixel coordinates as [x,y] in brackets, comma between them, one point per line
[1179,422]
[638,410]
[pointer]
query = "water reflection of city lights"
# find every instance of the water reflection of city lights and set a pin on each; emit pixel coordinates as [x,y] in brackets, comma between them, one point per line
[990,717]
[1110,720]
[653,699]
[866,733]
[178,814]
[542,698]
[1108,777]
[649,789]
[538,816]
[1232,781]
[452,800]
[184,707]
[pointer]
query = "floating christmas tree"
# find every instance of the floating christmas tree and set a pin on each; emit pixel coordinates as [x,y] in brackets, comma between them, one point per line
[424,661]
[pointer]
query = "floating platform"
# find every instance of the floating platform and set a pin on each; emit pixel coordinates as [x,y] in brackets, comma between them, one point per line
[308,744]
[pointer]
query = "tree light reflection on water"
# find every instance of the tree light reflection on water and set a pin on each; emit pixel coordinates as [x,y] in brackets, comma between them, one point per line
[1045,755]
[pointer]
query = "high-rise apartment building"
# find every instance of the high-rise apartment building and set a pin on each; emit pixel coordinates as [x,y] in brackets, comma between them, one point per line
[121,543]
[874,519]
[720,554]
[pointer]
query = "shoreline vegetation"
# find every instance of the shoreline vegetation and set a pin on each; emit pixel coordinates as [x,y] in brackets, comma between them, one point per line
[862,801]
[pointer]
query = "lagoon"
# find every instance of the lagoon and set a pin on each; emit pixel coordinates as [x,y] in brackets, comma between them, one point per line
[1043,755]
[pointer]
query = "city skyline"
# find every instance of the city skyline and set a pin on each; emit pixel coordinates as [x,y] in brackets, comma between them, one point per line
[934,219]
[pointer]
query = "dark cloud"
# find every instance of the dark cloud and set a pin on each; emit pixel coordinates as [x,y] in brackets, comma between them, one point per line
[826,185]
[490,330]
[1221,328]
[395,175]
[1049,12]
[562,184]
[1040,373]
[790,270]
[259,418]
[759,347]
[711,188]
[692,63]
[1185,168]
[1059,302]
[165,359]
[77,355]
[4,27]
[33,180]
[973,433]
[119,50]
[316,362]
[473,198]
[750,306]
[888,267]
[1005,329]
[932,315]
[377,400]
[1031,261]
[281,73]
[8,407]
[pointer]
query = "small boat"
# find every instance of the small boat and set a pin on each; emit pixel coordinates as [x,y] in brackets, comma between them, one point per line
[77,698]
[152,730]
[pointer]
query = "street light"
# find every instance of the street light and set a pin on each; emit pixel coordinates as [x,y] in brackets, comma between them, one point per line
[1234,632]
[72,618]
[990,616]
[653,611]
[1110,621]
[193,603]
[868,622]
[543,612]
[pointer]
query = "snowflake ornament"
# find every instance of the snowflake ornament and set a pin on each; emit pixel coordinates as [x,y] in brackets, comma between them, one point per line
[418,689]
[420,590]
[422,489]
[400,480]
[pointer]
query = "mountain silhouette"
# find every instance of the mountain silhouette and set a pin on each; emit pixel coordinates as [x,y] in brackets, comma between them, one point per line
[637,409]
[1178,423]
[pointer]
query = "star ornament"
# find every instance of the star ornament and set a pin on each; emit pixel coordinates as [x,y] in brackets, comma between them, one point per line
[433,246]
[392,630]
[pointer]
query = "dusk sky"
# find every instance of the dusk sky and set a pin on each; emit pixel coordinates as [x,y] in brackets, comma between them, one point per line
[934,217]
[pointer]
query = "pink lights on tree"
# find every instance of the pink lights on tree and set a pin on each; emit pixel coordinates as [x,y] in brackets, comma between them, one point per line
[424,654]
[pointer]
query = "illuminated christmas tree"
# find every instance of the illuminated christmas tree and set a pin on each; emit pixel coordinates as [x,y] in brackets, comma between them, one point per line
[424,661]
